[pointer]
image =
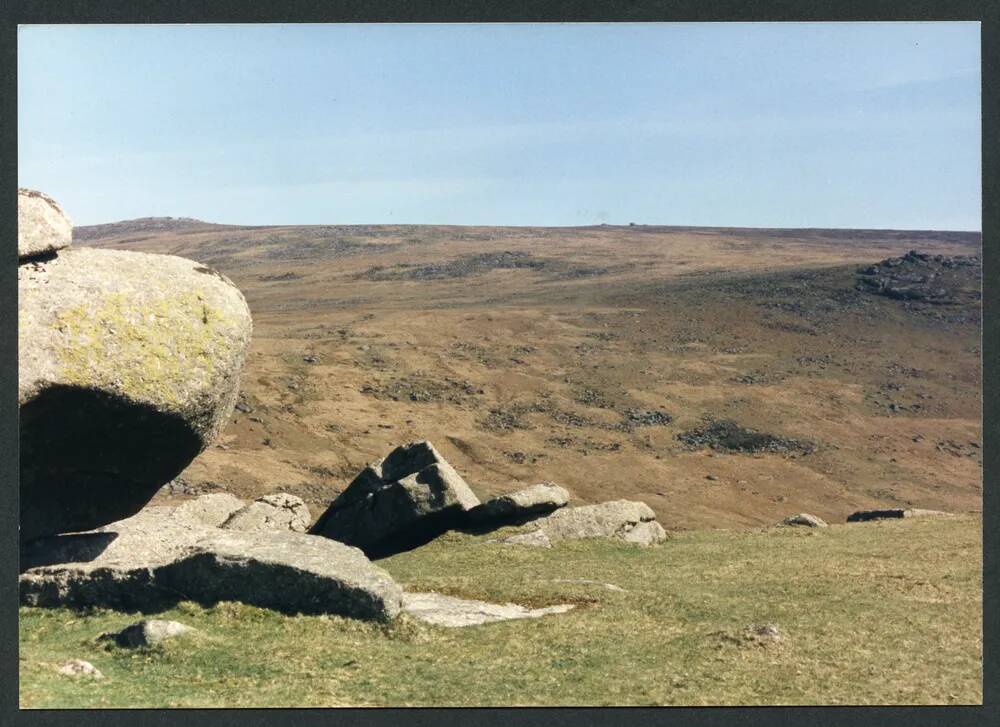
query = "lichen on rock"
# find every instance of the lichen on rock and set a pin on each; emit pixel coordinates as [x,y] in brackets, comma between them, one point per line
[162,347]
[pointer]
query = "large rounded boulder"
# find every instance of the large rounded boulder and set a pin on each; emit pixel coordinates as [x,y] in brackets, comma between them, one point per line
[128,367]
[42,226]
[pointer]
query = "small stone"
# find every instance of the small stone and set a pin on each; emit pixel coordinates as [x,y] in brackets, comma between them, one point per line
[148,632]
[80,668]
[645,533]
[711,478]
[895,513]
[763,633]
[804,519]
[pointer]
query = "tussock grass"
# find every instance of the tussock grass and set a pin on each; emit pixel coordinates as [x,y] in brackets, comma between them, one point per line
[872,613]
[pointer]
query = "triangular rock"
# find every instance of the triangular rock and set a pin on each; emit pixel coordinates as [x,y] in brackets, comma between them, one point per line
[404,500]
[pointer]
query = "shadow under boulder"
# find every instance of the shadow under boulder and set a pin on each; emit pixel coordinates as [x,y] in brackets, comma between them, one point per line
[88,458]
[517,508]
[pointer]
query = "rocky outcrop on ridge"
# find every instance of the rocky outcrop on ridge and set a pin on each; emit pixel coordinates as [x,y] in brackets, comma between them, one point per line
[918,276]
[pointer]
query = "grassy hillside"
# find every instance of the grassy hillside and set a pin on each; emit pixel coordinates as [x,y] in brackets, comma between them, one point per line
[875,613]
[531,354]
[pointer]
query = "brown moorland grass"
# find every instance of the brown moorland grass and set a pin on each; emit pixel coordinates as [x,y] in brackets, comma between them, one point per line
[519,353]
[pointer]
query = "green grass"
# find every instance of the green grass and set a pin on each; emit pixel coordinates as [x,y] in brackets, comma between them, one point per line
[873,613]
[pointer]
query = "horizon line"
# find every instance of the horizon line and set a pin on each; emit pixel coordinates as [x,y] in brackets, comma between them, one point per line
[528,226]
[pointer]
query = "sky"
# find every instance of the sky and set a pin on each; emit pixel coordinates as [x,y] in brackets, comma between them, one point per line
[864,125]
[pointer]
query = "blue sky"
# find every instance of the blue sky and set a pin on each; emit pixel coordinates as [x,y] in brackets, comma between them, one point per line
[761,125]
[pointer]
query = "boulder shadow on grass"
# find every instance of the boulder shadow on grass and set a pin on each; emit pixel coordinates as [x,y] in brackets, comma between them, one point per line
[419,533]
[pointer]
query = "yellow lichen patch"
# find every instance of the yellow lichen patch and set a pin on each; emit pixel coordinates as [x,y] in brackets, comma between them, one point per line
[155,350]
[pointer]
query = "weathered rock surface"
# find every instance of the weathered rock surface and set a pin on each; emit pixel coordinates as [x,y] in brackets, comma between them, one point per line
[148,632]
[804,519]
[128,367]
[865,515]
[433,608]
[80,668]
[615,519]
[520,506]
[404,500]
[152,537]
[42,226]
[633,522]
[212,510]
[648,532]
[163,555]
[535,539]
[271,512]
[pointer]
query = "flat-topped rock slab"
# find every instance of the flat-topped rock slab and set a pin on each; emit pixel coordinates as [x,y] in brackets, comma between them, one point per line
[165,555]
[439,610]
